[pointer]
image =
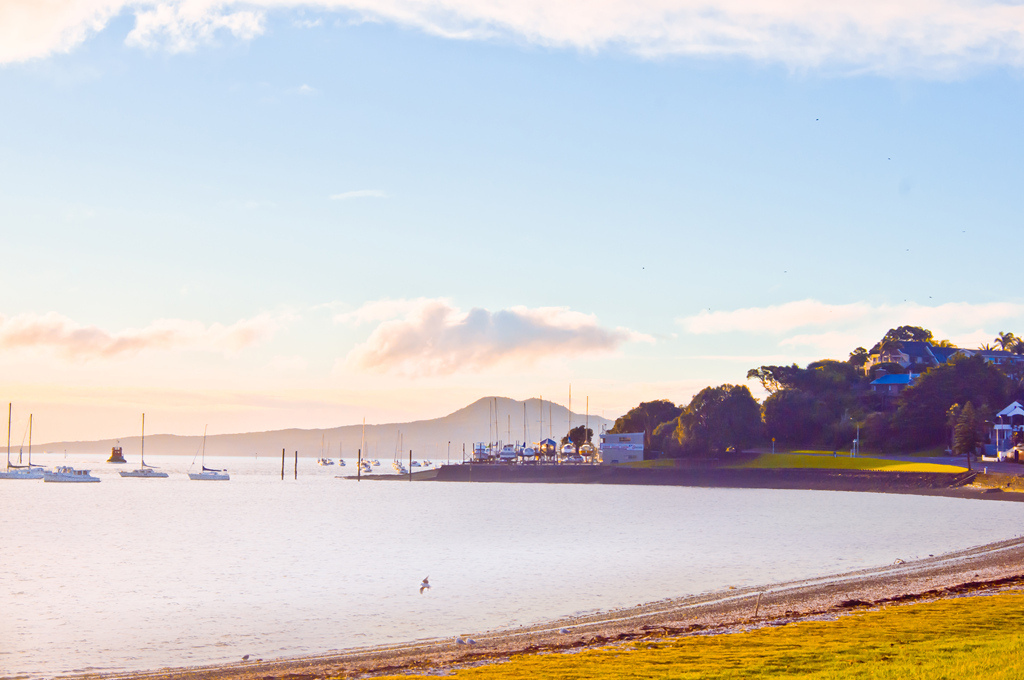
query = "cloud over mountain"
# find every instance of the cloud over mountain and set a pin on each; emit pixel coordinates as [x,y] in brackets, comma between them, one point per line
[433,337]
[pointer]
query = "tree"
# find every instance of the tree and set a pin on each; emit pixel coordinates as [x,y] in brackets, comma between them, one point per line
[794,417]
[966,437]
[1006,341]
[578,436]
[903,334]
[858,358]
[921,417]
[718,418]
[645,418]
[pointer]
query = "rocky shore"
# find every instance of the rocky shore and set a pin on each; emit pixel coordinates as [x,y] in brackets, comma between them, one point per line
[978,570]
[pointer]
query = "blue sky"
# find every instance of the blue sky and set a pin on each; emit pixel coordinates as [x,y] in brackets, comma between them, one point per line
[289,225]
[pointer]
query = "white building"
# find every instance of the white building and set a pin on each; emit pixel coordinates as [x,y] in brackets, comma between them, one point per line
[621,448]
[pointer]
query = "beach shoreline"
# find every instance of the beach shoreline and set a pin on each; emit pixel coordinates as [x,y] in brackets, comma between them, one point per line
[976,570]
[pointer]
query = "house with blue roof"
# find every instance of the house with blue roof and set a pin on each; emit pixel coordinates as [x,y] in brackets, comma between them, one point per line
[893,383]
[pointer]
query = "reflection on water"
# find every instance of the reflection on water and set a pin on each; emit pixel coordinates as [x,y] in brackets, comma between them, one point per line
[135,574]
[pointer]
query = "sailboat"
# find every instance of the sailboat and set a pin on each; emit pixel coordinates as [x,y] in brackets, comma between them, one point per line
[145,471]
[20,471]
[208,474]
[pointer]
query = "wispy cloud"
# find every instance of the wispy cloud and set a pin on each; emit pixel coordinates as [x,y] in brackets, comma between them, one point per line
[840,328]
[433,337]
[58,333]
[359,193]
[887,36]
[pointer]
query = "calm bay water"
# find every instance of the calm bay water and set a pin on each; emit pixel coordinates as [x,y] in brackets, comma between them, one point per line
[135,574]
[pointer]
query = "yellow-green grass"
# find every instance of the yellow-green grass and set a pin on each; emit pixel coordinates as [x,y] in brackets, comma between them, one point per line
[659,463]
[840,462]
[973,637]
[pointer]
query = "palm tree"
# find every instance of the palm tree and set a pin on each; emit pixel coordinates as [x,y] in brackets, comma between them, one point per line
[986,347]
[1006,341]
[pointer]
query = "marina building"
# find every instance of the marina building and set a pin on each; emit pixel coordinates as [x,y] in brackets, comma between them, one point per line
[621,448]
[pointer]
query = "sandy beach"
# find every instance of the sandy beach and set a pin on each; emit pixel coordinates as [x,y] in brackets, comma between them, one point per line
[977,570]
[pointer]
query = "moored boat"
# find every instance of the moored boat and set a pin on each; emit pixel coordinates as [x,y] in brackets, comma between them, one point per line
[146,471]
[68,474]
[207,474]
[29,471]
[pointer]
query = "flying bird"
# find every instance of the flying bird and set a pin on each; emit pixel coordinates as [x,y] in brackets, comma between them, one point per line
[425,585]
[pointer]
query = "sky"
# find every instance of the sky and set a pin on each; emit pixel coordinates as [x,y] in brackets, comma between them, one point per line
[270,214]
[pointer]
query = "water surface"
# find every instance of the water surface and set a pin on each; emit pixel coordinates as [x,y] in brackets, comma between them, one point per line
[135,574]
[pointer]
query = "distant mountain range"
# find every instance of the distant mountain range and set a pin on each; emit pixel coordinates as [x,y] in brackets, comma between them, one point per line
[487,419]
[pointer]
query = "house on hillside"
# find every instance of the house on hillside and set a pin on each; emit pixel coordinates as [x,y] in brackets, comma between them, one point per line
[891,384]
[1008,427]
[1003,359]
[916,355]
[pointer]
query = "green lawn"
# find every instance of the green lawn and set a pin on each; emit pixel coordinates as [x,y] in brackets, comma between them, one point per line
[972,637]
[824,460]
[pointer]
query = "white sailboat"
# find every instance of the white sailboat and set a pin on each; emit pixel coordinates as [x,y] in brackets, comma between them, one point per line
[208,474]
[20,471]
[145,471]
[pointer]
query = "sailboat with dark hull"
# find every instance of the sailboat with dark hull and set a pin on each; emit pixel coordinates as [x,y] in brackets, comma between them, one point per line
[208,474]
[144,471]
[13,471]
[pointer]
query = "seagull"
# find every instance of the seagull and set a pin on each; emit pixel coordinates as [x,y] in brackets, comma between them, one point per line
[425,585]
[563,630]
[245,658]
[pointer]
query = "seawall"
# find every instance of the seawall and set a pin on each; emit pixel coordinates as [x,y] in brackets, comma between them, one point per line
[742,478]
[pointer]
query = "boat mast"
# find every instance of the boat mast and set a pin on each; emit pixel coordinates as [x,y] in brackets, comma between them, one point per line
[9,407]
[142,444]
[30,440]
[540,428]
[203,463]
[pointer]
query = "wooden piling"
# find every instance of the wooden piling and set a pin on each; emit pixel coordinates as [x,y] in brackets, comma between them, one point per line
[296,465]
[410,465]
[282,465]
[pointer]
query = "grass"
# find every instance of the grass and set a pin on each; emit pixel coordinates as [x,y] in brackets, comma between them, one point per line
[972,637]
[824,460]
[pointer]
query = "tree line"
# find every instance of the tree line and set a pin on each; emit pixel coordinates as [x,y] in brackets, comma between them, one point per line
[824,404]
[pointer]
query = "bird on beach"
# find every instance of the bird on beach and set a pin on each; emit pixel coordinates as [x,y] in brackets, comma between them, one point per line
[425,585]
[245,658]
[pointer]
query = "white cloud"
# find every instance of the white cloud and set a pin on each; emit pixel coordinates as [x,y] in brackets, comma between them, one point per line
[840,328]
[383,310]
[432,337]
[359,193]
[932,36]
[57,333]
[183,25]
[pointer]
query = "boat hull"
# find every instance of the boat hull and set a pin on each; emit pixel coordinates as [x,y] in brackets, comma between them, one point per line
[209,476]
[144,473]
[68,475]
[34,473]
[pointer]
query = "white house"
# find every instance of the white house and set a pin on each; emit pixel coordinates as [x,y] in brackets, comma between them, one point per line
[621,448]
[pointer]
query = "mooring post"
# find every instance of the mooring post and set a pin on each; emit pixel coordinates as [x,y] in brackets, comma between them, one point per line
[410,465]
[282,465]
[758,605]
[296,465]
